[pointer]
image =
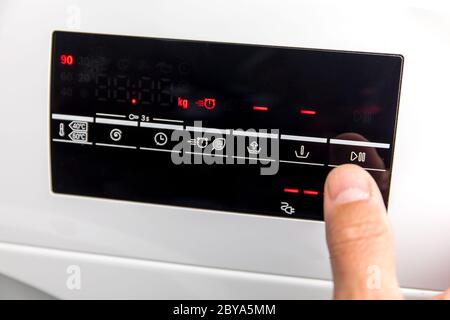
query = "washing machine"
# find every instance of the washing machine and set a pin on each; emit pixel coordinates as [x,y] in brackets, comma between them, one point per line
[99,199]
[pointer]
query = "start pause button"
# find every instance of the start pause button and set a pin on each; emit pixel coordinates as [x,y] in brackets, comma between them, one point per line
[353,148]
[357,156]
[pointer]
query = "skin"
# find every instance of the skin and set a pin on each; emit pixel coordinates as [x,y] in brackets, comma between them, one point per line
[359,237]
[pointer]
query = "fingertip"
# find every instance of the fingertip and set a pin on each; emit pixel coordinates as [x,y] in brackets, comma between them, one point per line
[443,296]
[346,184]
[347,178]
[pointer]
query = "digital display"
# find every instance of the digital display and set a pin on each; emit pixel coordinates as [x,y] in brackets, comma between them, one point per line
[230,127]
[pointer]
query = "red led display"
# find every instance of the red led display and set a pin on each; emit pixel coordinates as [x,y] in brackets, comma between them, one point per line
[210,103]
[308,112]
[305,192]
[66,59]
[260,108]
[291,190]
[207,103]
[183,103]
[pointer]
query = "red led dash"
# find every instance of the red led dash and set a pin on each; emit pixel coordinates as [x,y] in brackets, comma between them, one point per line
[291,190]
[308,112]
[260,108]
[311,192]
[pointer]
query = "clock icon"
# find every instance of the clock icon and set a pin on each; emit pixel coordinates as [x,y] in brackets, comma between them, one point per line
[161,138]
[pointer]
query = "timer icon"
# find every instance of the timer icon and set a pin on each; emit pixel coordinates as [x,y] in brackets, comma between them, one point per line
[160,138]
[207,103]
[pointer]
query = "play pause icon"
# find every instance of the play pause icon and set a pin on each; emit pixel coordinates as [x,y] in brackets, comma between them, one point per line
[358,156]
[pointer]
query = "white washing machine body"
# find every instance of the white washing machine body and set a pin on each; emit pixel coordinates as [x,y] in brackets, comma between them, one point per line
[134,250]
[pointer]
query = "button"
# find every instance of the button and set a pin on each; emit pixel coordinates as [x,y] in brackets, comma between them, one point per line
[303,150]
[75,131]
[364,153]
[357,156]
[286,208]
[302,198]
[78,125]
[253,148]
[160,138]
[219,144]
[78,136]
[71,128]
[116,134]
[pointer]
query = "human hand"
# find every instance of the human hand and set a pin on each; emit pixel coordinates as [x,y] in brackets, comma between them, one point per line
[359,237]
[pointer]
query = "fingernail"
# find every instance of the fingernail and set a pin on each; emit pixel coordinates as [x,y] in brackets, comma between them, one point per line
[348,185]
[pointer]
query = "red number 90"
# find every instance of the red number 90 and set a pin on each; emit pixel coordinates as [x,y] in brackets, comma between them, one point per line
[66,59]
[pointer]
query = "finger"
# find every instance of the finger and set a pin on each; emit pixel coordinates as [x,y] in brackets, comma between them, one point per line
[359,236]
[443,296]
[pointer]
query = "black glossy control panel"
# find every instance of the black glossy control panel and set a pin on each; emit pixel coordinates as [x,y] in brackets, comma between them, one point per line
[231,127]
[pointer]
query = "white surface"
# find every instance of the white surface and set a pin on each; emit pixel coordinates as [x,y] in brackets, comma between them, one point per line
[419,209]
[123,278]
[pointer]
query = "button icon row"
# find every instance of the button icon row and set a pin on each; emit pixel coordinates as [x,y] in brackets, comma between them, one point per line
[293,149]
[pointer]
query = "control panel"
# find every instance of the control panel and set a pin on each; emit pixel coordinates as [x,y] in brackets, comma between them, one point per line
[221,126]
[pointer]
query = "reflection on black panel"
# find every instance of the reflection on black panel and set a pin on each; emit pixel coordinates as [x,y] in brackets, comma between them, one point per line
[232,127]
